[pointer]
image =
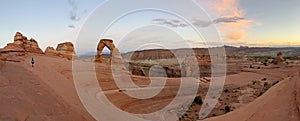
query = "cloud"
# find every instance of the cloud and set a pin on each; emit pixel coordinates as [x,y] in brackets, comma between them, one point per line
[235,31]
[228,10]
[71,26]
[228,16]
[170,22]
[228,19]
[196,22]
[74,8]
[201,23]
[236,35]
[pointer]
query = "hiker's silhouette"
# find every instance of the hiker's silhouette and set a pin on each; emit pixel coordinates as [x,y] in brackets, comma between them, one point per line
[32,62]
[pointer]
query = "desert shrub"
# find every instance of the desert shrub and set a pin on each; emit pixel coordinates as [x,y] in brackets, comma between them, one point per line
[260,93]
[251,66]
[226,90]
[264,79]
[227,108]
[275,83]
[254,82]
[198,100]
[266,84]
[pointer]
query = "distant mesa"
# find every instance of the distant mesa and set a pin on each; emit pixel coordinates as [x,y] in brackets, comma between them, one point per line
[22,44]
[65,50]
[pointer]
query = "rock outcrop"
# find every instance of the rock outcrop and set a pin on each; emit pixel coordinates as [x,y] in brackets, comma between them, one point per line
[51,51]
[22,44]
[279,59]
[65,50]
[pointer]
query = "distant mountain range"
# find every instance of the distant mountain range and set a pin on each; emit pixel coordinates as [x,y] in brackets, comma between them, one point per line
[262,51]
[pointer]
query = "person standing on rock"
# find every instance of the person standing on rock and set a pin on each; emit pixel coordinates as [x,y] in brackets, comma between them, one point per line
[32,62]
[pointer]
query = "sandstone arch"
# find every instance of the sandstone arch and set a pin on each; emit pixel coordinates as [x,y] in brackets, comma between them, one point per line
[104,43]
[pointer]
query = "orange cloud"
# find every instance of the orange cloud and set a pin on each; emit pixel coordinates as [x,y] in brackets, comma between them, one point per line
[236,30]
[236,35]
[229,8]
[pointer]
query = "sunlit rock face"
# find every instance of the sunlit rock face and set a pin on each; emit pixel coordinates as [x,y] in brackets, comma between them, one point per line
[65,50]
[22,44]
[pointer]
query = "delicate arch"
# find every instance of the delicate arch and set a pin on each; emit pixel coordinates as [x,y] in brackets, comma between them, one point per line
[104,43]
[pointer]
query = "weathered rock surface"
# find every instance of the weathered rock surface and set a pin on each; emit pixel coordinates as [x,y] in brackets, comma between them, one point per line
[12,55]
[65,50]
[51,51]
[22,44]
[1,63]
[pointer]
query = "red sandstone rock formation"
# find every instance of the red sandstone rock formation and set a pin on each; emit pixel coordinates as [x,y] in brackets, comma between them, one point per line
[22,44]
[104,43]
[65,50]
[51,51]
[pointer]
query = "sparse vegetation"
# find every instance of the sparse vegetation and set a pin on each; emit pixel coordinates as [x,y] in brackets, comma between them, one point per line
[227,108]
[266,84]
[275,83]
[260,93]
[226,90]
[254,82]
[265,88]
[198,100]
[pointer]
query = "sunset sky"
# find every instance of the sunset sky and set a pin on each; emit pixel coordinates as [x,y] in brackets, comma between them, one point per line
[239,22]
